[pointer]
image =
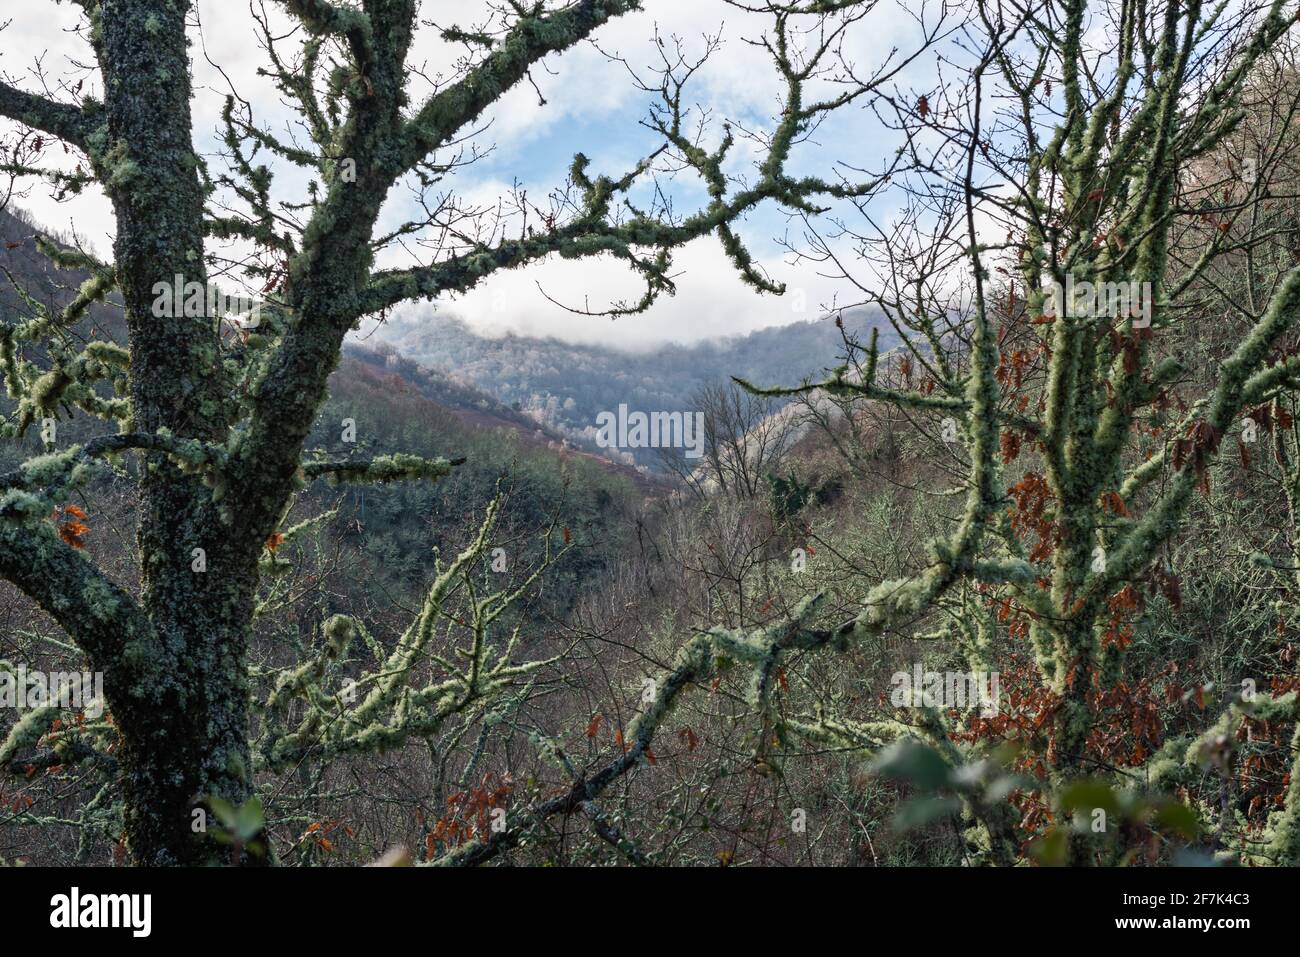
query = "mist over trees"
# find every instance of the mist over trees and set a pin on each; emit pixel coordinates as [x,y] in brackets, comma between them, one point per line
[565,387]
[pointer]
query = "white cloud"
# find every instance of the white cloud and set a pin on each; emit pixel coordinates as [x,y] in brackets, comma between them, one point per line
[738,82]
[711,300]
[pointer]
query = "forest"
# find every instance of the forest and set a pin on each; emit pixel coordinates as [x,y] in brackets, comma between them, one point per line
[988,557]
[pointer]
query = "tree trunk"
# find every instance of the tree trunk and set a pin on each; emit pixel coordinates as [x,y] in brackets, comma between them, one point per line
[181,705]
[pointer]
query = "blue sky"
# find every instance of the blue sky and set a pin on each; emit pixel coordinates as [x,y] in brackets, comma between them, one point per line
[592,106]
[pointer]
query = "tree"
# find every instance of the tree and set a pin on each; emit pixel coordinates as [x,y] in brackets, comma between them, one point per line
[744,438]
[218,412]
[1107,176]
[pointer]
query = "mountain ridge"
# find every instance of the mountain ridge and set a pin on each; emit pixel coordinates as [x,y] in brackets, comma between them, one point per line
[564,387]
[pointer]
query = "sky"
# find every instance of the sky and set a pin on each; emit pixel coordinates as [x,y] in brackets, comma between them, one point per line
[592,106]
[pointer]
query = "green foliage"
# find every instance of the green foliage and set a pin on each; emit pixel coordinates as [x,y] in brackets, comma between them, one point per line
[786,496]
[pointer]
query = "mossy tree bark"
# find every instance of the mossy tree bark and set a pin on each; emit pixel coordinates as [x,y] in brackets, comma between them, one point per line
[182,706]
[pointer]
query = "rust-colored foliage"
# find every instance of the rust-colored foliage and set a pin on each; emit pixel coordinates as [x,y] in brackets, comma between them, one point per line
[469,813]
[72,527]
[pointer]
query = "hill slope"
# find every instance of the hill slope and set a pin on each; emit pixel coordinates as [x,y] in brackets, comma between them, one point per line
[563,387]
